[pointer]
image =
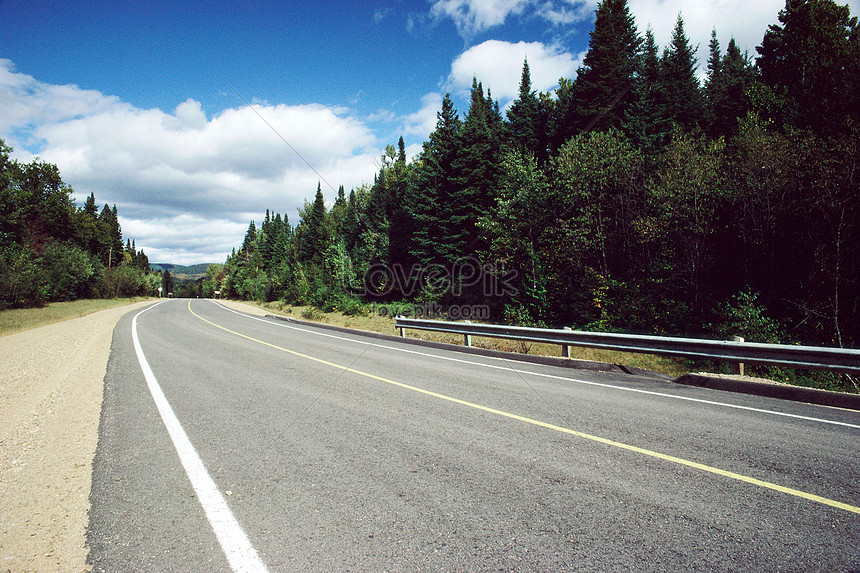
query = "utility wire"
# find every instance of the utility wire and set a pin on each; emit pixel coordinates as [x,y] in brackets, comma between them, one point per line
[252,108]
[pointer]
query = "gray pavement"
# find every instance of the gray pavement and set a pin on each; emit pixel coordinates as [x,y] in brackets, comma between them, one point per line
[423,459]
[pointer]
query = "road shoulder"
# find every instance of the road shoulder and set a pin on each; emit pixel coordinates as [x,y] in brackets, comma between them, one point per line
[50,403]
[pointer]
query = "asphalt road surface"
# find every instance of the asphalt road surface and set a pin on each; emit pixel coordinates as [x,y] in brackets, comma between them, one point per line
[231,442]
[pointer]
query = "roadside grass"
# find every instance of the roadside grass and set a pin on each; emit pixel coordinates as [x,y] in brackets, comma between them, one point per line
[671,366]
[21,319]
[385,325]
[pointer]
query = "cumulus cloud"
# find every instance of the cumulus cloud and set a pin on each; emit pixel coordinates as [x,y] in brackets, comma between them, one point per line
[474,16]
[422,122]
[186,185]
[498,66]
[27,102]
[186,238]
[745,21]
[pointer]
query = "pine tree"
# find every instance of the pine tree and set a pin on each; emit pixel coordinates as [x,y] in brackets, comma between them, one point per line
[646,124]
[166,283]
[401,151]
[350,226]
[478,167]
[562,120]
[90,207]
[249,244]
[111,236]
[713,81]
[726,94]
[604,84]
[714,62]
[810,59]
[684,103]
[524,118]
[434,189]
[315,236]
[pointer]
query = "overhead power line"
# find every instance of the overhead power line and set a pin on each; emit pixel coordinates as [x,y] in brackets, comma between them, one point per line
[252,108]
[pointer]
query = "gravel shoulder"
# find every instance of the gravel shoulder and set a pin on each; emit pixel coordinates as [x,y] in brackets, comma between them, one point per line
[51,383]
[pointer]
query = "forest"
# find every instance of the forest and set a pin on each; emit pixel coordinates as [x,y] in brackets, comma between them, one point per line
[51,250]
[636,197]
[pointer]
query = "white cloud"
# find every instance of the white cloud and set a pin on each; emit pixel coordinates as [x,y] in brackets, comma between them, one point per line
[569,12]
[745,20]
[423,122]
[498,66]
[27,102]
[185,239]
[474,16]
[185,185]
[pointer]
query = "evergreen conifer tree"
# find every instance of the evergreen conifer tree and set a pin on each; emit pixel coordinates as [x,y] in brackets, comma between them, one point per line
[645,123]
[604,84]
[524,118]
[684,103]
[726,92]
[434,190]
[810,59]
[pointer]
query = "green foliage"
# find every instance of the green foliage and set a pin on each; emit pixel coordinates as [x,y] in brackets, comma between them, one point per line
[52,251]
[630,199]
[684,103]
[21,278]
[743,316]
[604,84]
[810,59]
[124,281]
[68,271]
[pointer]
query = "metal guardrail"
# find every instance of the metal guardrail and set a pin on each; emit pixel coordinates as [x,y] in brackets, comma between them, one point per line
[805,357]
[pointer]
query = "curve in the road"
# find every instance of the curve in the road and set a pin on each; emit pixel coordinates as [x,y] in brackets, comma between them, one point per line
[235,543]
[650,453]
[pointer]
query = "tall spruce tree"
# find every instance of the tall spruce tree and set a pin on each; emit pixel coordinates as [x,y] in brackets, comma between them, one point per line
[526,124]
[401,151]
[712,81]
[645,123]
[684,104]
[809,59]
[434,190]
[726,92]
[478,166]
[315,238]
[604,83]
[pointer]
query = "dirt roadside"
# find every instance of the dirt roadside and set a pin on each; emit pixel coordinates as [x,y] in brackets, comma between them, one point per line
[51,383]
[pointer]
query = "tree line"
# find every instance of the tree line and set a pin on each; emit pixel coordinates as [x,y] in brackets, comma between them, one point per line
[632,198]
[51,250]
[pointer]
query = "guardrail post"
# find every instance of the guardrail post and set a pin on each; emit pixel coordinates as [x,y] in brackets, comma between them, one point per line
[737,367]
[467,338]
[402,329]
[565,348]
[735,351]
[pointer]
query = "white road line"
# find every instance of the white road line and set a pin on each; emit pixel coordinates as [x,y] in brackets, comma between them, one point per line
[236,546]
[543,375]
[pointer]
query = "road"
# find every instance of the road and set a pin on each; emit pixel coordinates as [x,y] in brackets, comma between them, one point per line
[322,451]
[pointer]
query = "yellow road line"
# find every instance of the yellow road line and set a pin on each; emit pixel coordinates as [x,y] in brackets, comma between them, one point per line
[561,429]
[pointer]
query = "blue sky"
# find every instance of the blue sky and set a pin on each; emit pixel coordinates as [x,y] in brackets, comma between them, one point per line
[135,100]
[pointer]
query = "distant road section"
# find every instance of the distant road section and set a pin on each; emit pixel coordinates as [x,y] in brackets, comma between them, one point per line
[335,452]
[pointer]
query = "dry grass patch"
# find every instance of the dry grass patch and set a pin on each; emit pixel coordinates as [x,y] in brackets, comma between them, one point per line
[21,319]
[385,325]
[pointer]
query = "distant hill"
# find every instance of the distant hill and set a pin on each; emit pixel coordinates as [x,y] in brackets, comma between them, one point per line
[182,271]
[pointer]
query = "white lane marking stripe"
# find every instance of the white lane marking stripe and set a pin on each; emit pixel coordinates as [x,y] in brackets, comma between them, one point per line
[236,546]
[550,376]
